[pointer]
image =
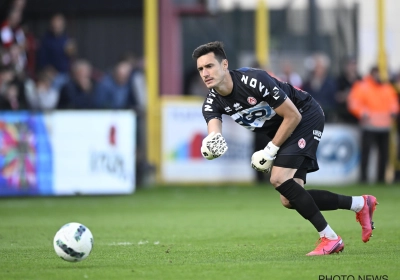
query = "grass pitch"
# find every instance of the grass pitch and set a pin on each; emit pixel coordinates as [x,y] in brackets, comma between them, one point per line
[196,233]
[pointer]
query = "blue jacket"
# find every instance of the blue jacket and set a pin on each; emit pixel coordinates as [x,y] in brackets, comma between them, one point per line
[114,96]
[52,52]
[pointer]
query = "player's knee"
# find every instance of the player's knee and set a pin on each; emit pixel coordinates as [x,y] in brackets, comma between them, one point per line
[276,180]
[299,181]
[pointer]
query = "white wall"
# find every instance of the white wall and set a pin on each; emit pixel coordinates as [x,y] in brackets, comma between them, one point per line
[368,34]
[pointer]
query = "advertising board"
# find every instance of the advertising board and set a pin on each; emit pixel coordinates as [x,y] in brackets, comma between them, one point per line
[67,153]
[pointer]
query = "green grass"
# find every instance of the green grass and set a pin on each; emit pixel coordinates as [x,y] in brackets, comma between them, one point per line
[195,233]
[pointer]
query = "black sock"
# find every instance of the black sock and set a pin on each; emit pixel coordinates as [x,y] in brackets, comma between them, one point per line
[345,201]
[326,200]
[303,202]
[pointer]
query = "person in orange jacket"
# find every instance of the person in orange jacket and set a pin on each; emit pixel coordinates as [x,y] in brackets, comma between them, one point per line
[375,104]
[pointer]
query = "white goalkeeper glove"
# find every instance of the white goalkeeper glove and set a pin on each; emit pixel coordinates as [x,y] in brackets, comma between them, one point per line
[262,160]
[213,146]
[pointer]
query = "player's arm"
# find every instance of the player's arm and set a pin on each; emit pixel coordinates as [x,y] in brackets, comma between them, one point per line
[214,145]
[214,125]
[291,118]
[262,160]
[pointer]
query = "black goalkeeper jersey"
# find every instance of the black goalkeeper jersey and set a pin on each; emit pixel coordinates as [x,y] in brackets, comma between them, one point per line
[254,96]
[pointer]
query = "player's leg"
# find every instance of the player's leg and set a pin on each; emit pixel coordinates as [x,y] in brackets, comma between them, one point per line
[364,206]
[301,144]
[285,202]
[301,200]
[325,200]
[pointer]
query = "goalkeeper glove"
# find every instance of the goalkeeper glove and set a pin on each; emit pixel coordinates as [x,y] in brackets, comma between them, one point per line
[213,146]
[262,160]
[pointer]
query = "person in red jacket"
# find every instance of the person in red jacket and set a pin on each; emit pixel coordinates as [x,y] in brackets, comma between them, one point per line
[11,31]
[375,104]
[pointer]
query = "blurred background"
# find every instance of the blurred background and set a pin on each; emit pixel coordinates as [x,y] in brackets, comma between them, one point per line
[103,97]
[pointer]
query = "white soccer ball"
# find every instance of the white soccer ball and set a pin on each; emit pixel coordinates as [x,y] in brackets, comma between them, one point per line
[73,242]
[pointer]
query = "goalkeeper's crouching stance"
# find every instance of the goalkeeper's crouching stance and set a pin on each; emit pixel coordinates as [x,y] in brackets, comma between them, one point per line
[295,123]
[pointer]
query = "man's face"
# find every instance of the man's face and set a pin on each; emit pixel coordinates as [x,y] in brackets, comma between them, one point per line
[58,24]
[211,71]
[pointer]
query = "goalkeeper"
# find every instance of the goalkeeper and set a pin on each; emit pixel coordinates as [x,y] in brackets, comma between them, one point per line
[295,123]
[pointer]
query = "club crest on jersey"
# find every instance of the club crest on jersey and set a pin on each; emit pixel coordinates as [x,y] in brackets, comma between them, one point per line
[301,143]
[237,106]
[251,100]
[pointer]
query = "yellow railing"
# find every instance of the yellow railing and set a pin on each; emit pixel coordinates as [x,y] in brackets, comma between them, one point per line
[151,50]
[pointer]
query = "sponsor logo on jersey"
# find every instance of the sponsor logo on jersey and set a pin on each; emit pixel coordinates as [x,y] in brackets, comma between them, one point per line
[237,106]
[254,83]
[254,117]
[301,143]
[251,100]
[276,93]
[228,109]
[317,135]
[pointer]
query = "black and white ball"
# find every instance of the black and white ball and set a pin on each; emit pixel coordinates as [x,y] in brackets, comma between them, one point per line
[73,242]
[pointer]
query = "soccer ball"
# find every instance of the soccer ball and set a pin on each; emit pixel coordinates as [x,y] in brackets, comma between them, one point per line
[73,242]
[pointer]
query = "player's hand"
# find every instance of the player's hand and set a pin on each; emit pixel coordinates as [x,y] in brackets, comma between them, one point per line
[213,146]
[262,160]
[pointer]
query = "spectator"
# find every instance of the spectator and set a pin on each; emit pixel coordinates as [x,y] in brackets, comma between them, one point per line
[11,31]
[13,39]
[56,47]
[18,60]
[289,75]
[137,79]
[115,90]
[12,94]
[41,95]
[80,92]
[375,104]
[321,85]
[345,81]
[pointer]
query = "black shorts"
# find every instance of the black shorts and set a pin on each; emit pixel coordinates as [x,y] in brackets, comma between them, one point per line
[299,151]
[301,163]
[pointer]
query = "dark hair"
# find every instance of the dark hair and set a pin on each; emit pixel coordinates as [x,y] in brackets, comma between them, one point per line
[374,69]
[215,47]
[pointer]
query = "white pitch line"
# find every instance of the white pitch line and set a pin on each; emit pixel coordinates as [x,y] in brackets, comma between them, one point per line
[141,242]
[120,244]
